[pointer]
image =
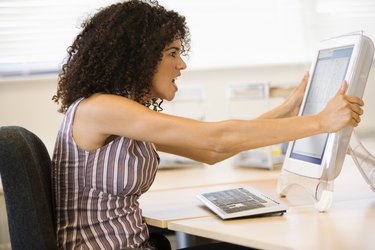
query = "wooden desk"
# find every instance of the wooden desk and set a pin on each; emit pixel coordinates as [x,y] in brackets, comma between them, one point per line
[349,224]
[221,173]
[173,194]
[159,208]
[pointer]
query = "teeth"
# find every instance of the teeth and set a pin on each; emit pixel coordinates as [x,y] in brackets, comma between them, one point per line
[174,79]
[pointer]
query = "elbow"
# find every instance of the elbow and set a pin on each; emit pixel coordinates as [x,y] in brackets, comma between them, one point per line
[218,147]
[216,156]
[212,161]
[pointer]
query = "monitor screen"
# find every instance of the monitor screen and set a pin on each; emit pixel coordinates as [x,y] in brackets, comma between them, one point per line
[330,71]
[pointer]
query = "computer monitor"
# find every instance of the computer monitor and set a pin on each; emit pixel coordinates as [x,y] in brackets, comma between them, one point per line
[330,71]
[342,58]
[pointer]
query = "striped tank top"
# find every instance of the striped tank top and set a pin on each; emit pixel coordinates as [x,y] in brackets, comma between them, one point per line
[96,192]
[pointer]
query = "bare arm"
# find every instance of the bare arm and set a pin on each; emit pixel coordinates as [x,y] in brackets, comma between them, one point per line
[291,105]
[228,139]
[101,116]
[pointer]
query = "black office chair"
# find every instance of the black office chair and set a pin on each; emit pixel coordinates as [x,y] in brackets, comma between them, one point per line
[25,170]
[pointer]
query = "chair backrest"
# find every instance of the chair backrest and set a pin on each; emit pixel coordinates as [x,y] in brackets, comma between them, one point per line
[25,170]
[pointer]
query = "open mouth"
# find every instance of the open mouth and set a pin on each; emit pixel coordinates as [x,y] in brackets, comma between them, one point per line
[174,83]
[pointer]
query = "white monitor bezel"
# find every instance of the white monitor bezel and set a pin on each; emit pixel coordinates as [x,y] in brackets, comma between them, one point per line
[305,168]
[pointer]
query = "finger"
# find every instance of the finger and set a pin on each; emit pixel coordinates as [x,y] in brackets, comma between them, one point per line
[355,100]
[344,87]
[353,121]
[357,109]
[356,117]
[306,76]
[305,79]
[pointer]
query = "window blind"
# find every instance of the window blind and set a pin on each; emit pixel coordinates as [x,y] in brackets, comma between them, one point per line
[34,34]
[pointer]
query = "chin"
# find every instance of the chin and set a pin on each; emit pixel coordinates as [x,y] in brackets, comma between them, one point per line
[170,98]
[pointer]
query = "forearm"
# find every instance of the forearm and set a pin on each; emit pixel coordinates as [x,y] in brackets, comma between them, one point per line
[236,136]
[206,156]
[279,111]
[218,141]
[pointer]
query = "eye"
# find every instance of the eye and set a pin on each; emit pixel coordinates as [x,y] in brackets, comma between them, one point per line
[173,53]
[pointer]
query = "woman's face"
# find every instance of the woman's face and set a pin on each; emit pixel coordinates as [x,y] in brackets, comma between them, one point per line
[169,68]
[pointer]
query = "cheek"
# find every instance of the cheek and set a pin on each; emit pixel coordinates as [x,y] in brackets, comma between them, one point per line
[158,77]
[158,86]
[160,81]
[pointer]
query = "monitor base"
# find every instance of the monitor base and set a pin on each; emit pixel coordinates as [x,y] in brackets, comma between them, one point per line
[321,190]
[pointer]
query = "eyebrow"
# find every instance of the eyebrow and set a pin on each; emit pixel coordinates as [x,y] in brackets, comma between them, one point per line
[173,47]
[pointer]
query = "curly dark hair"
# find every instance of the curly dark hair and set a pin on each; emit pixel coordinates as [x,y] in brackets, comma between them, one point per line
[118,50]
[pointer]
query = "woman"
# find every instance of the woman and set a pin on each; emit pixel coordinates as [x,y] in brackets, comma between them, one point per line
[120,67]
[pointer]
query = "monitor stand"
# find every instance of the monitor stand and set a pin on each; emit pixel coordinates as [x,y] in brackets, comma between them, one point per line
[321,190]
[363,159]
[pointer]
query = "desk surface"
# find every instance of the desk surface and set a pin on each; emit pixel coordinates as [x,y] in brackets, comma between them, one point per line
[349,223]
[173,194]
[221,173]
[162,207]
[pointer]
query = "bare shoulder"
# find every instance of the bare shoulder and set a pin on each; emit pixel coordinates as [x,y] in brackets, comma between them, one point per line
[102,115]
[104,107]
[99,102]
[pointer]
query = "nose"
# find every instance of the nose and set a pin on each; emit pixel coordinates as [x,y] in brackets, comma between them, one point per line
[181,65]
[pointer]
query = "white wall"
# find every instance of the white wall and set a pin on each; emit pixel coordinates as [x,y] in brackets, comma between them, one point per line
[27,102]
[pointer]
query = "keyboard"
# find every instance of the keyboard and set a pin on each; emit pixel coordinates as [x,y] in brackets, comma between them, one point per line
[241,202]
